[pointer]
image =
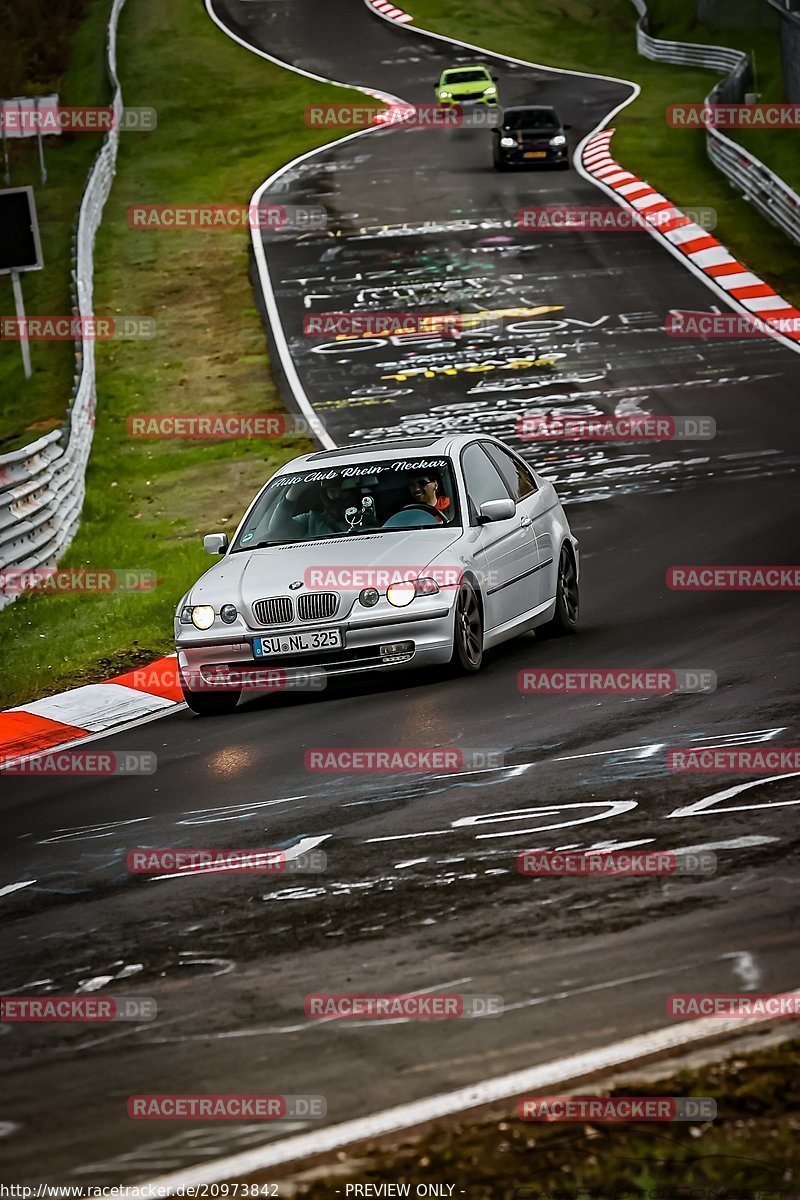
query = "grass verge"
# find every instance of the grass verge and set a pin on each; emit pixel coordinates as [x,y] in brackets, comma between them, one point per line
[749,1151]
[226,119]
[675,20]
[585,36]
[35,406]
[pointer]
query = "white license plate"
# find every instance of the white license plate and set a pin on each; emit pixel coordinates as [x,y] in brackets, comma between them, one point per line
[302,642]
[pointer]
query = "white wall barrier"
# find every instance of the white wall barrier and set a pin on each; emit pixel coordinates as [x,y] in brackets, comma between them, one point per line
[766,191]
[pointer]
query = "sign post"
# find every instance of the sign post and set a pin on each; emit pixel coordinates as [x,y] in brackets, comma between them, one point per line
[19,304]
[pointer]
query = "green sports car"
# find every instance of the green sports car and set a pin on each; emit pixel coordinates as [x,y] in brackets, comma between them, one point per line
[466,85]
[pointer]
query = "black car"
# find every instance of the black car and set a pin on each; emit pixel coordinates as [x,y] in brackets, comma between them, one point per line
[529,135]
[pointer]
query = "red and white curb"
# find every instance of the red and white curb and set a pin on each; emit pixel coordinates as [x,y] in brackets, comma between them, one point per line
[699,248]
[84,712]
[390,12]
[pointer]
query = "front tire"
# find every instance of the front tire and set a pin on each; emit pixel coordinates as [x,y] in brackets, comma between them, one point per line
[467,656]
[565,618]
[211,704]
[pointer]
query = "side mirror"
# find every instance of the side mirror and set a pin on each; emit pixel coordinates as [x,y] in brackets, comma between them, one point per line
[566,125]
[496,510]
[495,79]
[215,543]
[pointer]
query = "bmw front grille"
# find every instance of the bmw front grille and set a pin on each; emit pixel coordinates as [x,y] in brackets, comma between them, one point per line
[275,611]
[317,606]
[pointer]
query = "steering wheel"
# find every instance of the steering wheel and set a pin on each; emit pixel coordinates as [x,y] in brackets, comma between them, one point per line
[428,508]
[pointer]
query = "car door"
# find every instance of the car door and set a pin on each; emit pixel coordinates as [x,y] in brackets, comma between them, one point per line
[510,550]
[533,507]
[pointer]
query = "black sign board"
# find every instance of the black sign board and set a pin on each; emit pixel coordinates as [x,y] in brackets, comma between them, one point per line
[20,249]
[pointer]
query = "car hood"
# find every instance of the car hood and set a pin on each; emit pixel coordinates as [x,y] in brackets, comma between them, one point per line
[250,575]
[478,85]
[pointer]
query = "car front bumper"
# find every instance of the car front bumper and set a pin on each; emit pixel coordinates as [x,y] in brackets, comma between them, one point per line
[428,633]
[515,155]
[456,102]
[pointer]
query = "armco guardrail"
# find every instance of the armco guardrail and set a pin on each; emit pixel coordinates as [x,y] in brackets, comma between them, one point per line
[42,486]
[766,191]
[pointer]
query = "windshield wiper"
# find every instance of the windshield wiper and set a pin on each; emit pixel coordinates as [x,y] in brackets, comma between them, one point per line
[261,546]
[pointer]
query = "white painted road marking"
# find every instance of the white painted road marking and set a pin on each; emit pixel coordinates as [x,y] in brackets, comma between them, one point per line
[15,887]
[562,1072]
[301,847]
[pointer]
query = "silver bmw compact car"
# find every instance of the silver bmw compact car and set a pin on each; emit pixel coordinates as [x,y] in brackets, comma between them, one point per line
[414,552]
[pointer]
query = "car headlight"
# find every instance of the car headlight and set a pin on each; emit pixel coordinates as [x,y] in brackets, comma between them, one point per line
[228,613]
[508,142]
[558,140]
[202,616]
[369,597]
[443,95]
[491,88]
[402,593]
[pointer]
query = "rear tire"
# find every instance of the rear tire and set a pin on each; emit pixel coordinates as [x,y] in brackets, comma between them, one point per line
[467,656]
[211,704]
[565,618]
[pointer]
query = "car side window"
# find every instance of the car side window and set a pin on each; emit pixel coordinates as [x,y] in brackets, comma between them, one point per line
[484,482]
[516,475]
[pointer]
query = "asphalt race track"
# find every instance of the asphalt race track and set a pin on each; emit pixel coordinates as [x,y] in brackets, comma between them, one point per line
[421,890]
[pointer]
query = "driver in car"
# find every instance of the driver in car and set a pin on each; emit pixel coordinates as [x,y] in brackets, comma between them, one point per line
[340,512]
[426,488]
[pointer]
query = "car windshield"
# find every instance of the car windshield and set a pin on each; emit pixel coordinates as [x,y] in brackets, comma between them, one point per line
[531,118]
[476,76]
[350,499]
